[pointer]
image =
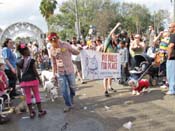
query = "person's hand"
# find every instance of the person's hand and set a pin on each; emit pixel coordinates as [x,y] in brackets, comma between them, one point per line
[118,24]
[13,70]
[161,33]
[80,48]
[40,82]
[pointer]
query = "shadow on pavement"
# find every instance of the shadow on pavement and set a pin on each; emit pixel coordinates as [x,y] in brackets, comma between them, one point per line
[101,101]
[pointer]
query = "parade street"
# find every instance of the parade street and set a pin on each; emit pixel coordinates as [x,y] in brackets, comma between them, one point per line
[94,112]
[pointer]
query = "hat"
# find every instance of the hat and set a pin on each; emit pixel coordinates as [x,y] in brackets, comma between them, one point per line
[52,36]
[1,61]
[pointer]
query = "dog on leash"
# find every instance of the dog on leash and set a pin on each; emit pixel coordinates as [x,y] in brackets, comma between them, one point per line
[51,88]
[139,87]
[50,85]
[46,76]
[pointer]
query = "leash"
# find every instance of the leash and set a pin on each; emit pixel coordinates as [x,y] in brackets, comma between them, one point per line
[145,72]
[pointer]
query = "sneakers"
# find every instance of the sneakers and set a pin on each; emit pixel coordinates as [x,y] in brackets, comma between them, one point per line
[67,109]
[170,93]
[32,115]
[112,89]
[107,94]
[83,82]
[164,86]
[42,113]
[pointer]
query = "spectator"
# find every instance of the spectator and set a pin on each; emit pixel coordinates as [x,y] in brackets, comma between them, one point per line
[77,60]
[171,61]
[10,68]
[123,52]
[152,35]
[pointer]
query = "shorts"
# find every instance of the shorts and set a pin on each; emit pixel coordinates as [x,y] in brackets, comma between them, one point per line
[77,65]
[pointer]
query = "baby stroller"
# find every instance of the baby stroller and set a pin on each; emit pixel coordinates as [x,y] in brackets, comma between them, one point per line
[5,99]
[5,104]
[144,67]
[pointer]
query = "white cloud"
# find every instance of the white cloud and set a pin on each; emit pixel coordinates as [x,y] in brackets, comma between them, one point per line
[12,11]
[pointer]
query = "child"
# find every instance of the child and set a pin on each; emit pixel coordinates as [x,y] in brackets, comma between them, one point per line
[124,62]
[45,59]
[30,80]
[3,87]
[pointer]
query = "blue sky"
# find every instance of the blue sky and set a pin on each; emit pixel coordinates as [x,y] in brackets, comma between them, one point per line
[12,11]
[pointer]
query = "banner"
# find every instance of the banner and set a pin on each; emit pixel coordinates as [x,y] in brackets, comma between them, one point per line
[98,65]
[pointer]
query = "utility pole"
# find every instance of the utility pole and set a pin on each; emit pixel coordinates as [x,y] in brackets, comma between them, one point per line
[173,10]
[173,2]
[154,20]
[77,23]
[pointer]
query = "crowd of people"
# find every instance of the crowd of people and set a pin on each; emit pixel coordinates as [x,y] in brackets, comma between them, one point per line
[20,63]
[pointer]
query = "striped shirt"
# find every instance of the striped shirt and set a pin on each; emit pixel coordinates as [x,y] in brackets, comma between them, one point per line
[61,58]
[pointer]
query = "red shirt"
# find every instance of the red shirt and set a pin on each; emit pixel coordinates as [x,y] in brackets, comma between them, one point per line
[3,81]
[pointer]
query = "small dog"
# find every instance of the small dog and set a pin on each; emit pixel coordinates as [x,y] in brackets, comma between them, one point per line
[139,86]
[51,87]
[46,76]
[22,106]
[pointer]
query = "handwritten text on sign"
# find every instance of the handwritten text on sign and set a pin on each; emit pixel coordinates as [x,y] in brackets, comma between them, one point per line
[109,61]
[97,65]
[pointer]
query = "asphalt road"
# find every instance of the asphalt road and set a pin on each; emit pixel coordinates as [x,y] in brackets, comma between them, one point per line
[152,111]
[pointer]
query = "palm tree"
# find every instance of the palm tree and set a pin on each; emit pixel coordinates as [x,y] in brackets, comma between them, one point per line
[47,8]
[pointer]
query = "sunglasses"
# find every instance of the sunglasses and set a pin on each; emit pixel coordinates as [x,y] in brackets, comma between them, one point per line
[53,38]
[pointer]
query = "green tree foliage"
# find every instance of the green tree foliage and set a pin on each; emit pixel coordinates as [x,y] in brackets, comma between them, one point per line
[103,14]
[158,19]
[136,17]
[47,8]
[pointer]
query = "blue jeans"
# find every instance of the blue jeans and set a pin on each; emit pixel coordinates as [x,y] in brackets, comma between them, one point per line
[67,83]
[170,70]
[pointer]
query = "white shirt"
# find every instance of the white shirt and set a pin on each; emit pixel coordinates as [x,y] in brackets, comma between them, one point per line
[150,52]
[48,48]
[76,57]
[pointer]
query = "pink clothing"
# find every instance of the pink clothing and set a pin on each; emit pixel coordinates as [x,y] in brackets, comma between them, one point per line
[29,86]
[61,58]
[25,84]
[3,82]
[35,90]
